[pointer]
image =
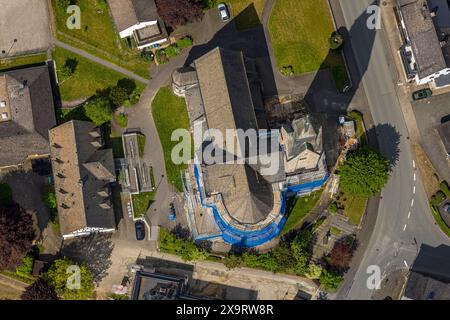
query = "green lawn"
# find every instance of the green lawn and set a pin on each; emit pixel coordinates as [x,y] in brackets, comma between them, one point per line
[169,113]
[246,13]
[300,31]
[354,206]
[21,62]
[297,209]
[87,78]
[97,35]
[141,203]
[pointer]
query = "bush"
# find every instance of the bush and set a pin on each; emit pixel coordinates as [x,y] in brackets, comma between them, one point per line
[99,111]
[134,98]
[232,261]
[438,198]
[49,198]
[186,249]
[171,51]
[333,208]
[118,96]
[26,267]
[330,280]
[185,42]
[127,84]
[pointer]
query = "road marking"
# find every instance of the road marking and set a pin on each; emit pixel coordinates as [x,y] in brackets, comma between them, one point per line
[414,164]
[409,214]
[412,203]
[415,177]
[404,228]
[404,261]
[414,190]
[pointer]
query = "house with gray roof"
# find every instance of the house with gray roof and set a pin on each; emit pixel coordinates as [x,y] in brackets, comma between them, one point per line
[83,172]
[425,53]
[26,114]
[444,133]
[139,19]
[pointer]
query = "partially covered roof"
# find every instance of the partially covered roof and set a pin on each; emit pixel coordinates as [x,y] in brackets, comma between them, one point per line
[26,114]
[423,37]
[300,135]
[82,171]
[444,133]
[227,102]
[127,13]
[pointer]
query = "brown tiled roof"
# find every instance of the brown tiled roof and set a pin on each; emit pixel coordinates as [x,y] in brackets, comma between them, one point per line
[32,114]
[82,173]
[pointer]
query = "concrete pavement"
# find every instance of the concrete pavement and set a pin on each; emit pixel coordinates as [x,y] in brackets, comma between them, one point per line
[404,220]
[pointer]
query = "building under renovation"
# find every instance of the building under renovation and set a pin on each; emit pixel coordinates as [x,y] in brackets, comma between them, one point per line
[236,202]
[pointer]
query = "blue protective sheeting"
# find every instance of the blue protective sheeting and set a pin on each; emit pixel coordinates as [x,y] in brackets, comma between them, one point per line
[253,238]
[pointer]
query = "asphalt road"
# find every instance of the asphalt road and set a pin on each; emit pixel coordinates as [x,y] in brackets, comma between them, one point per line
[404,220]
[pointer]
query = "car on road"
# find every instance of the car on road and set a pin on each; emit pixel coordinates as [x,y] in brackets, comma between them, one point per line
[422,94]
[139,227]
[223,10]
[172,212]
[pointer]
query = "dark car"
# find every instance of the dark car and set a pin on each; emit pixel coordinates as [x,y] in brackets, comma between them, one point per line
[172,212]
[422,94]
[139,227]
[447,208]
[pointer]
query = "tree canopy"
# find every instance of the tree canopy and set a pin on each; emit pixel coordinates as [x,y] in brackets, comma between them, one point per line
[179,12]
[60,275]
[16,235]
[365,172]
[40,290]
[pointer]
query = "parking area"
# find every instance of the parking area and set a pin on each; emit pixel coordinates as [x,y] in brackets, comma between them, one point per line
[25,27]
[429,113]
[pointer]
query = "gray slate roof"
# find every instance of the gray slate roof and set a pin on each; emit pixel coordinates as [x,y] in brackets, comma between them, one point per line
[127,13]
[423,37]
[32,112]
[421,287]
[228,104]
[444,132]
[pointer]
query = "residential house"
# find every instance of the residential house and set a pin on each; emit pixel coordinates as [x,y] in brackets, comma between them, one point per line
[83,172]
[26,114]
[425,30]
[139,19]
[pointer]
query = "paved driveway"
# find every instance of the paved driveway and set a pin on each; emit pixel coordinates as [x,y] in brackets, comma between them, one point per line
[428,115]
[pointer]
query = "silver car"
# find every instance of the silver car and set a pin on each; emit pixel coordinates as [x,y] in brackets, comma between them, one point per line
[224,13]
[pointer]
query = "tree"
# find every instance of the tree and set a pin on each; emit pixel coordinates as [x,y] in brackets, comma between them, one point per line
[330,280]
[26,267]
[127,84]
[179,12]
[364,173]
[49,198]
[118,96]
[40,290]
[341,255]
[299,249]
[16,235]
[99,111]
[61,276]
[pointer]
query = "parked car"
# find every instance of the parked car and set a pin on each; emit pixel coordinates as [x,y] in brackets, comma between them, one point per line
[224,13]
[447,208]
[422,94]
[139,227]
[172,212]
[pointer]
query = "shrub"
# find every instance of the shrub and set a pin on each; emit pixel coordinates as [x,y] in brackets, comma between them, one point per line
[330,280]
[186,249]
[171,51]
[127,84]
[333,208]
[118,96]
[122,120]
[99,111]
[185,42]
[232,261]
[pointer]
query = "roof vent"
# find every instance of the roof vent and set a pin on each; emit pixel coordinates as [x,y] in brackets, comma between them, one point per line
[2,104]
[5,115]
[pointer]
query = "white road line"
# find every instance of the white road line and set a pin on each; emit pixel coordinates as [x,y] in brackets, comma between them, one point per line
[414,164]
[415,177]
[414,190]
[412,203]
[404,228]
[404,261]
[409,214]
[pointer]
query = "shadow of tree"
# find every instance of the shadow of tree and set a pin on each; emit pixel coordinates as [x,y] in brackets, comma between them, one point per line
[94,250]
[391,141]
